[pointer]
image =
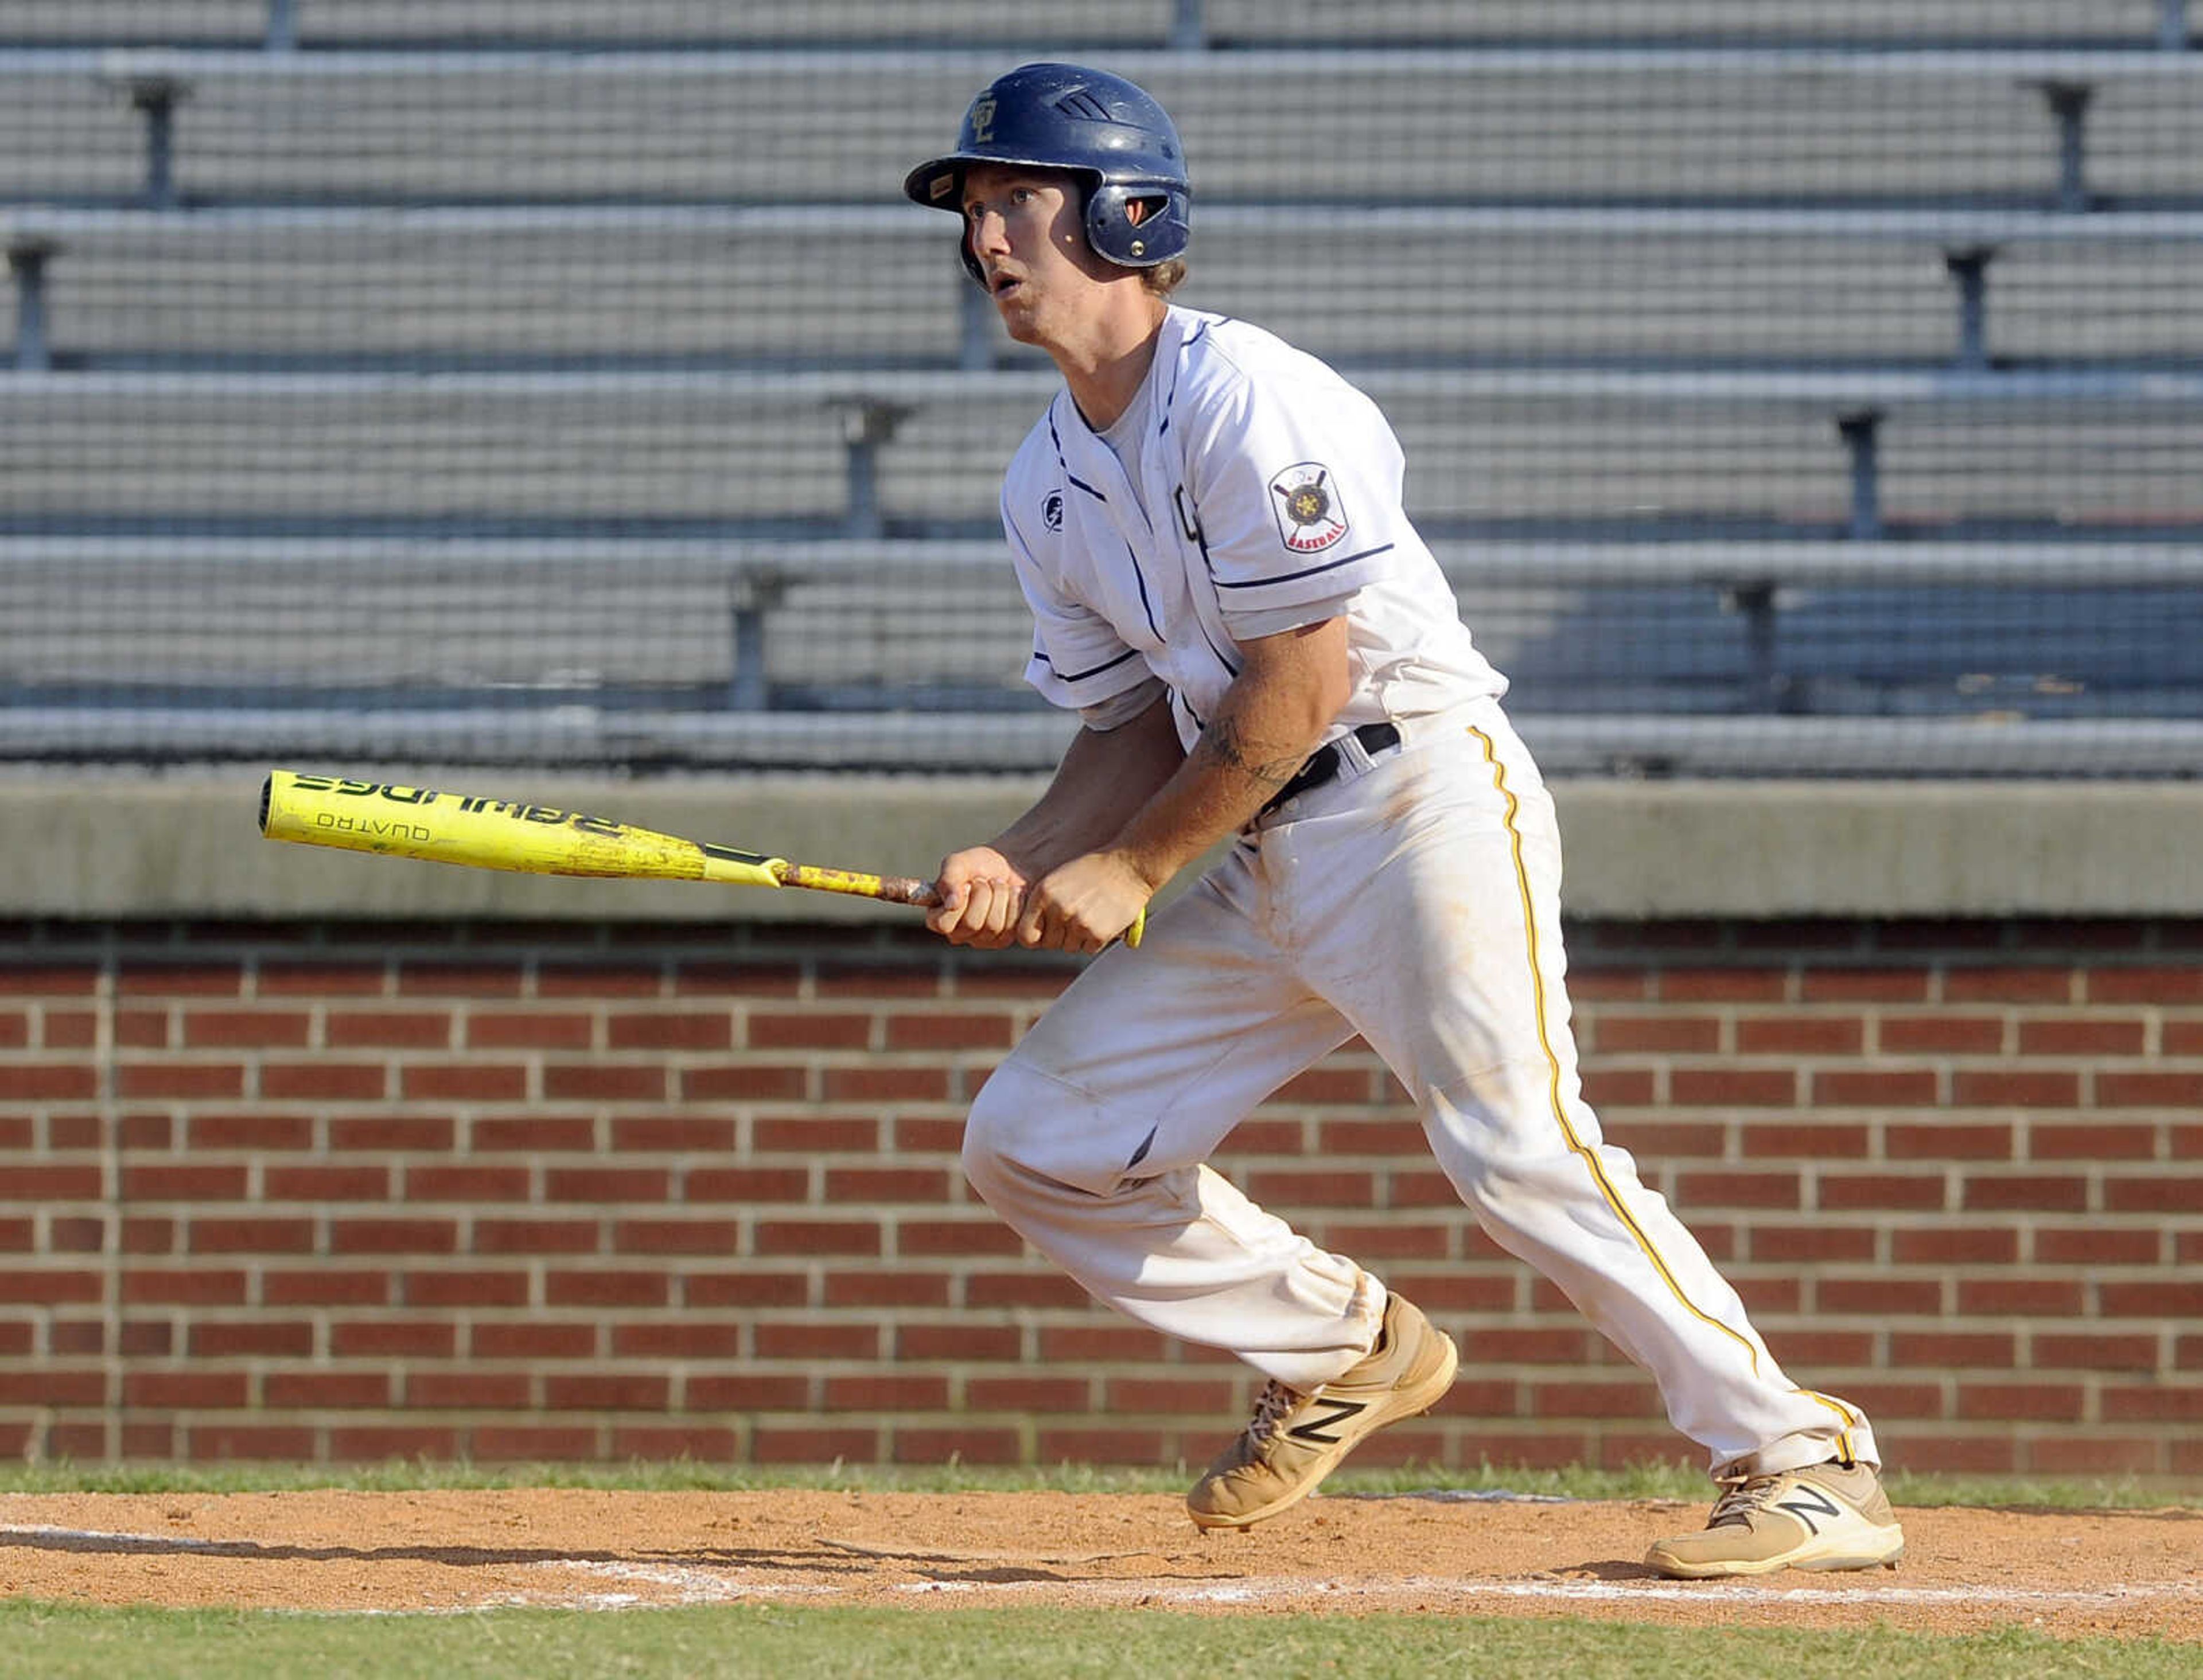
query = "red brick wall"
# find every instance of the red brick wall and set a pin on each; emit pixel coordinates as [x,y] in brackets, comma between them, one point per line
[339,1193]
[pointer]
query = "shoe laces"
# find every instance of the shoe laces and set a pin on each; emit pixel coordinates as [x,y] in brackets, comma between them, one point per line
[1741,1496]
[1271,1406]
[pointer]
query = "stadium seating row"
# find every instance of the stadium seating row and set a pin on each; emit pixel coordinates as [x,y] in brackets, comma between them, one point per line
[1083,23]
[1634,743]
[1428,286]
[542,633]
[814,453]
[1550,127]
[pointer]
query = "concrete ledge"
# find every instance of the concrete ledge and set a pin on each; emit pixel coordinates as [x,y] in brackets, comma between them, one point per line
[96,846]
[1763,849]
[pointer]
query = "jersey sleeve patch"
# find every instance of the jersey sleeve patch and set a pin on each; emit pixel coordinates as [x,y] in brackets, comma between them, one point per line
[1310,515]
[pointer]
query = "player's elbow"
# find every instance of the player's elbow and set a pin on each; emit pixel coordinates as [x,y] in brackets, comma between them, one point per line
[1309,664]
[1334,687]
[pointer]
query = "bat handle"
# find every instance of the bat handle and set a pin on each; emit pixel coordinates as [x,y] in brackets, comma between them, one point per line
[904,889]
[901,889]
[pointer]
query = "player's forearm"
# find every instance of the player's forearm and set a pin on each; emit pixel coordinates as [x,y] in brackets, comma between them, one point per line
[1246,754]
[1269,721]
[1103,774]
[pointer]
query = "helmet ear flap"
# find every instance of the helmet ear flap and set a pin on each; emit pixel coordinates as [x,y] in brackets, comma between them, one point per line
[964,250]
[1138,224]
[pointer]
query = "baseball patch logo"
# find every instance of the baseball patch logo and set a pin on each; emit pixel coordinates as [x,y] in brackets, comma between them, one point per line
[1051,511]
[1310,515]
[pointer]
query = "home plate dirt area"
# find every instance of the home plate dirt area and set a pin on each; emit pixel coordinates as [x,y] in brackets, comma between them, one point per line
[2068,1573]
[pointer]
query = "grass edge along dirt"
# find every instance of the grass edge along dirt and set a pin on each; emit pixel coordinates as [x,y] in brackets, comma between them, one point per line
[1652,1481]
[64,1642]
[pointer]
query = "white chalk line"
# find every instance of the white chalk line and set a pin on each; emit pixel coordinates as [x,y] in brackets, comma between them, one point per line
[690,1584]
[697,1586]
[700,1585]
[1464,1496]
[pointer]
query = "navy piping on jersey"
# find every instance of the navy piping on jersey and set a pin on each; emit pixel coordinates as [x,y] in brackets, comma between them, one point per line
[1081,676]
[1288,577]
[1175,371]
[1202,542]
[1056,438]
[1141,578]
[1221,658]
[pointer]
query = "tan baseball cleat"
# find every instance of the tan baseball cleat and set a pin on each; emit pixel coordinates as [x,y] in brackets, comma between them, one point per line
[1830,1516]
[1296,1440]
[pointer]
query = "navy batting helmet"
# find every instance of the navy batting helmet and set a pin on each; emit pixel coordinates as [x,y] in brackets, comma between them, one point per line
[1099,126]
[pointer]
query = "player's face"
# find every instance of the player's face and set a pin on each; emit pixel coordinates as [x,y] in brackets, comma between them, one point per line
[1026,230]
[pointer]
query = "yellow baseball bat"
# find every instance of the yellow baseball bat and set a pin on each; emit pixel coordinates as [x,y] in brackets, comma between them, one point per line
[485,834]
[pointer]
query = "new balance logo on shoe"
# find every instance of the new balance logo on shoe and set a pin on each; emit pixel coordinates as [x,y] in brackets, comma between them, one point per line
[1295,1439]
[1314,1429]
[1810,1503]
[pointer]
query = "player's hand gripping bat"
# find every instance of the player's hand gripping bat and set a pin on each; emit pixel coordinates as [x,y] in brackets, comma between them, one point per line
[486,834]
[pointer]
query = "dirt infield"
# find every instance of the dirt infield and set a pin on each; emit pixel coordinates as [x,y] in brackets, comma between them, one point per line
[2124,1573]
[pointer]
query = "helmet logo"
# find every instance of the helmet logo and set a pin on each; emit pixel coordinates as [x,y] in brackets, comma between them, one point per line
[1310,517]
[1051,511]
[982,119]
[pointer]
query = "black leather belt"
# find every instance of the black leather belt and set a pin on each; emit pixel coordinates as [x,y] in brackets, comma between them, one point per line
[1323,763]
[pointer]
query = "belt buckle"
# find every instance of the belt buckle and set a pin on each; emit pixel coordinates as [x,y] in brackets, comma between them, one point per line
[1320,767]
[1322,764]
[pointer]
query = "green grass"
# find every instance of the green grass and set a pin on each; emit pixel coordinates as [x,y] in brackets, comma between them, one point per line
[58,1643]
[1649,1480]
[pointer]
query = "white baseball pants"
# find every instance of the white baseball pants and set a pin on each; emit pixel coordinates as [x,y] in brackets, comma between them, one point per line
[1415,900]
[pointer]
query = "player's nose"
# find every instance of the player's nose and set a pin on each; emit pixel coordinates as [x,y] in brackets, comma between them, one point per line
[989,235]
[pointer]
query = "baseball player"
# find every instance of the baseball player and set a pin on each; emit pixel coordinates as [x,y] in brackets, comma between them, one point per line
[1208,525]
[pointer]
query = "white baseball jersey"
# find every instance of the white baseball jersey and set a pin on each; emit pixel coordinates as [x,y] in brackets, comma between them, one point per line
[1414,899]
[1260,492]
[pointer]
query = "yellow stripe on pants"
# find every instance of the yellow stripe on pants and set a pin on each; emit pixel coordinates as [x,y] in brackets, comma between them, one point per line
[1588,1156]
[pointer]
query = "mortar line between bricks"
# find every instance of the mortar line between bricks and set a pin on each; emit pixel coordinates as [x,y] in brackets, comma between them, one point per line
[114,1361]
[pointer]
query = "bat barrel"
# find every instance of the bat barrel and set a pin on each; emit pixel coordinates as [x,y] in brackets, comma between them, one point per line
[356,814]
[362,815]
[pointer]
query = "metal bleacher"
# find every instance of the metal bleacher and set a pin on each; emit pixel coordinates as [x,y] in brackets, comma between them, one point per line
[1557,124]
[871,453]
[568,286]
[1187,23]
[679,650]
[478,379]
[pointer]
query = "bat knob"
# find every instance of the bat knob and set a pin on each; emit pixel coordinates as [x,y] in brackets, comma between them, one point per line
[267,792]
